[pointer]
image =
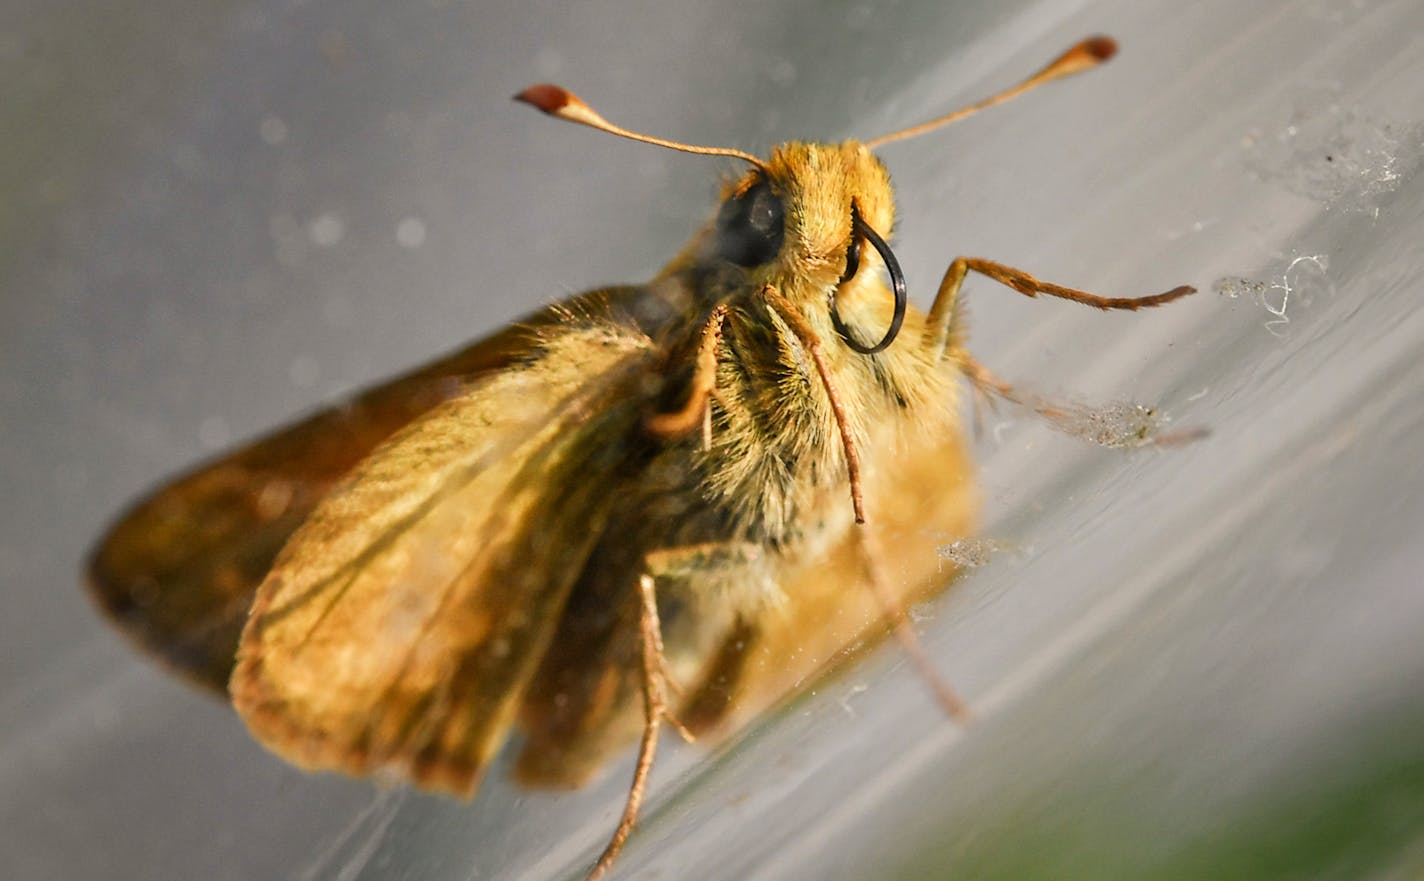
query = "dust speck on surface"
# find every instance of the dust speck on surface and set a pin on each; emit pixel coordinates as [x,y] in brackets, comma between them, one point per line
[968,553]
[1334,154]
[1121,424]
[1296,282]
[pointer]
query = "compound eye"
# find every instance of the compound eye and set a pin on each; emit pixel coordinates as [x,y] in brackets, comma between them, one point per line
[751,226]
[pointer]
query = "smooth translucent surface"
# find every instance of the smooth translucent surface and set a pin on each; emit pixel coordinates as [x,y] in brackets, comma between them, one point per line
[1203,661]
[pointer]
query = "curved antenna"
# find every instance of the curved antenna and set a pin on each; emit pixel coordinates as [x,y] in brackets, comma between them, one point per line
[560,102]
[1084,56]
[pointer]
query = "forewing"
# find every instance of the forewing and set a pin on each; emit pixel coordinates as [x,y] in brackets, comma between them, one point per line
[179,569]
[398,627]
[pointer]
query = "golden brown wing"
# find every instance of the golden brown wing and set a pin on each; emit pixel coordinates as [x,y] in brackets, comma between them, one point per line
[178,570]
[399,625]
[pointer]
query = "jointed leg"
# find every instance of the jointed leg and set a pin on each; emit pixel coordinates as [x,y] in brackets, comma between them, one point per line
[695,411]
[942,314]
[1118,425]
[656,709]
[952,704]
[807,335]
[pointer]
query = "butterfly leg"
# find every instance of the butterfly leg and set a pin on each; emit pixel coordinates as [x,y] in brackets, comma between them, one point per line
[807,335]
[736,559]
[944,693]
[695,411]
[655,704]
[1122,425]
[940,330]
[870,553]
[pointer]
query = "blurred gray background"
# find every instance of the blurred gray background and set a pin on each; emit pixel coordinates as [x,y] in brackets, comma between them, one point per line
[1206,661]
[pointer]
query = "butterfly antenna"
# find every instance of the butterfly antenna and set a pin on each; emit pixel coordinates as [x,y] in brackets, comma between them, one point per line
[560,102]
